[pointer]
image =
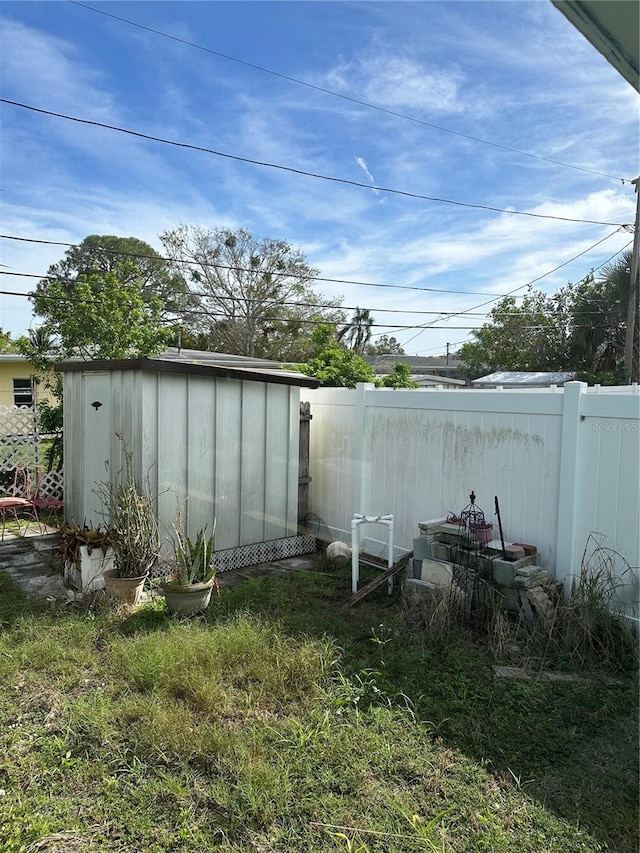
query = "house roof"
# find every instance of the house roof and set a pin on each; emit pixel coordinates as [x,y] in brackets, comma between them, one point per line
[199,363]
[524,378]
[417,363]
[612,27]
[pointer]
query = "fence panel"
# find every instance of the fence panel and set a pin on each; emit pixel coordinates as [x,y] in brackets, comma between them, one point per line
[418,455]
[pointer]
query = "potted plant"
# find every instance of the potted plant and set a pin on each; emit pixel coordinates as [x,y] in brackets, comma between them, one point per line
[85,553]
[133,533]
[187,590]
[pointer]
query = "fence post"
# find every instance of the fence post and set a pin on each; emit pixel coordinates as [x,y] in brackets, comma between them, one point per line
[361,463]
[569,484]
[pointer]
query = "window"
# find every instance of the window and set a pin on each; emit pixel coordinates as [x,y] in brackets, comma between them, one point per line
[22,392]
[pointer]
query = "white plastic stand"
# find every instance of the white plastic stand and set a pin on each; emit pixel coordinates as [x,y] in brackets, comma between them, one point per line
[356,523]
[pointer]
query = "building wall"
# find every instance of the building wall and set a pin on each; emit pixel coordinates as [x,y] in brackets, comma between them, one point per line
[11,369]
[209,447]
[564,463]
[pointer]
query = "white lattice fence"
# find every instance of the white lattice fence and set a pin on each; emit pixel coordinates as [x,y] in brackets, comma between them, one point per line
[20,446]
[18,437]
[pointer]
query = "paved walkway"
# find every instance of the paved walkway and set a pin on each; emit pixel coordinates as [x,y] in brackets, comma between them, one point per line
[30,563]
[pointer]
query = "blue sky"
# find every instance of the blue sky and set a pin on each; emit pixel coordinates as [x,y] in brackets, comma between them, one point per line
[514,74]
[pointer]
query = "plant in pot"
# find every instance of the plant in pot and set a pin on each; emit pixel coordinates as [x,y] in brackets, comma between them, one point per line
[187,590]
[85,553]
[133,533]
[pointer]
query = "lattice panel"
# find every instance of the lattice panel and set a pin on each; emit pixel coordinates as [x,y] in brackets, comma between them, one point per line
[261,552]
[52,485]
[18,439]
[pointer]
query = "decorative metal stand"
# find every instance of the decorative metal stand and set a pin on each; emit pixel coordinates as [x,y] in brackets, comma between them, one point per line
[471,569]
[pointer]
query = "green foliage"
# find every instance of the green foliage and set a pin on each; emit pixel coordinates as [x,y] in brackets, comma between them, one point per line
[357,333]
[194,560]
[399,377]
[133,731]
[101,315]
[334,366]
[133,527]
[582,328]
[108,298]
[384,345]
[531,336]
[6,343]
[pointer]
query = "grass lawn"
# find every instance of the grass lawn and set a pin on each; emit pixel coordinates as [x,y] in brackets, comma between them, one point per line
[284,722]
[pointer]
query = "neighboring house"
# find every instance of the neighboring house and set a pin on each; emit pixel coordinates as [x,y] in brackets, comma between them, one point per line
[21,384]
[522,379]
[419,366]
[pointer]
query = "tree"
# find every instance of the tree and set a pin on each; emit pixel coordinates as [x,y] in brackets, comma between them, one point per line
[357,333]
[385,345]
[253,294]
[599,320]
[333,365]
[398,378]
[98,315]
[151,273]
[580,328]
[6,343]
[533,336]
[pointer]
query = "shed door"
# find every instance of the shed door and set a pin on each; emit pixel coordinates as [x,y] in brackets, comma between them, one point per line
[96,442]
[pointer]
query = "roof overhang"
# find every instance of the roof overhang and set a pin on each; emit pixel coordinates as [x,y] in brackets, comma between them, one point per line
[160,365]
[613,28]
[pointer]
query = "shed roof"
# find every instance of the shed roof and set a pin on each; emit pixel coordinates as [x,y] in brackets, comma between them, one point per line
[200,364]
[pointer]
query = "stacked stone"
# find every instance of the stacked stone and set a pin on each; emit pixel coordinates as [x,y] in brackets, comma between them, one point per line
[531,582]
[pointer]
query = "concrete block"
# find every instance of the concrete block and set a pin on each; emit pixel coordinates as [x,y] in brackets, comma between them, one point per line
[513,552]
[437,572]
[447,527]
[504,572]
[421,548]
[526,583]
[432,526]
[527,570]
[510,597]
[416,589]
[440,551]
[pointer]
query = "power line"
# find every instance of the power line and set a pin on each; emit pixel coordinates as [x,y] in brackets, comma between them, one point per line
[348,98]
[209,264]
[284,303]
[533,281]
[345,181]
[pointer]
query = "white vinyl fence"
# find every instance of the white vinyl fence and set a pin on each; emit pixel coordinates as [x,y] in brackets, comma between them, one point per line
[564,463]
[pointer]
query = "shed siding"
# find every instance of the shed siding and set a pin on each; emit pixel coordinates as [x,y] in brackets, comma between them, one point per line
[211,446]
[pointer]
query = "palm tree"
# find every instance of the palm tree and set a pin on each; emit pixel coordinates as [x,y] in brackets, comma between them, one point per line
[599,315]
[357,333]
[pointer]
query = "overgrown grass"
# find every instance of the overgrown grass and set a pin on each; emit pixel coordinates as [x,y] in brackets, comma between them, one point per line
[283,721]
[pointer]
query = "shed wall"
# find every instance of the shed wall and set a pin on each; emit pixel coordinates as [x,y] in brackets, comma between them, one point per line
[209,447]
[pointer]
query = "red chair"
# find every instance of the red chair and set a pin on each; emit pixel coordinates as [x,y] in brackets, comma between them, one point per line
[44,502]
[18,501]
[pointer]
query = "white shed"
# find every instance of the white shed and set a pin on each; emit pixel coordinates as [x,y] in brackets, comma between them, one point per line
[218,440]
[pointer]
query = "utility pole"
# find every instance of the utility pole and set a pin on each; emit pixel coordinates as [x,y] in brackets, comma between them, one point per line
[447,353]
[631,368]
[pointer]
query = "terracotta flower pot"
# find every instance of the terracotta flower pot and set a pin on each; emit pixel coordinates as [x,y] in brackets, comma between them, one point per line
[127,590]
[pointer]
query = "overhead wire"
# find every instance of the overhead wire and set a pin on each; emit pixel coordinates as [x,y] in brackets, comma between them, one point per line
[303,172]
[209,264]
[344,97]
